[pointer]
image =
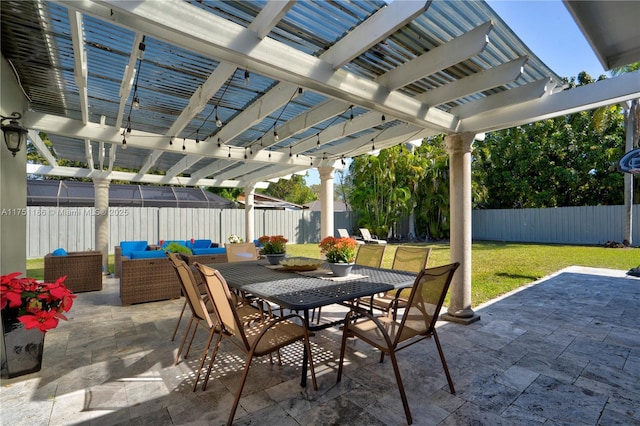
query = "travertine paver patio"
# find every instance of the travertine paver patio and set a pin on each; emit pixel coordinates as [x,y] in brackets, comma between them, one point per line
[564,351]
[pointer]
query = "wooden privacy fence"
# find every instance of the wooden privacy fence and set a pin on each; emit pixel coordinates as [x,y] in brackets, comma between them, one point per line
[73,228]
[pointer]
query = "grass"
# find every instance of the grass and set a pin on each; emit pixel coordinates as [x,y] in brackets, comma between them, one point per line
[497,268]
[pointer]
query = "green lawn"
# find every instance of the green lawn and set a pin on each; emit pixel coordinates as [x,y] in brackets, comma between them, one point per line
[497,268]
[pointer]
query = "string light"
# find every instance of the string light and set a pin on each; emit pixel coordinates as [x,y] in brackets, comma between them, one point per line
[275,133]
[342,160]
[124,142]
[219,143]
[171,140]
[197,137]
[183,144]
[245,152]
[218,121]
[373,146]
[383,117]
[318,135]
[229,152]
[290,153]
[247,77]
[351,113]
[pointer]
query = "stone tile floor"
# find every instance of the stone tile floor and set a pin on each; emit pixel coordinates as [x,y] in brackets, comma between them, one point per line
[562,351]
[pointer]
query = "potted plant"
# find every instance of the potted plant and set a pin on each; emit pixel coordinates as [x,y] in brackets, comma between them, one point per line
[274,247]
[234,239]
[340,254]
[177,248]
[30,308]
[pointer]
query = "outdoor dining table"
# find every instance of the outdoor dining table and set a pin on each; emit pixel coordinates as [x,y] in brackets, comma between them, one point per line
[304,291]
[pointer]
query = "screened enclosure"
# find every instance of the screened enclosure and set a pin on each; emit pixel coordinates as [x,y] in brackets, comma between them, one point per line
[81,194]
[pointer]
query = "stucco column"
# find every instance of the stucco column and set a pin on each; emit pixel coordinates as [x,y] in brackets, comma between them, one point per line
[459,149]
[101,219]
[326,201]
[249,213]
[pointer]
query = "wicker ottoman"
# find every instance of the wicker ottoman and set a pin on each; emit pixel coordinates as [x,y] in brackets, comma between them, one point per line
[82,268]
[148,280]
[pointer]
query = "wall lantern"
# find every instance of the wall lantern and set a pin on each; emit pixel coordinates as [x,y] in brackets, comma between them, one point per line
[14,134]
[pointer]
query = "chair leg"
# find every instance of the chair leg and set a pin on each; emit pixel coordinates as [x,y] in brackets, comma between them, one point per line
[204,357]
[213,359]
[240,387]
[184,339]
[403,395]
[345,331]
[444,362]
[186,354]
[307,344]
[179,319]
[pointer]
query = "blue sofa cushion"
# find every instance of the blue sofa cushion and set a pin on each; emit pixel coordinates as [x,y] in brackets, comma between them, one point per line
[199,244]
[59,252]
[214,250]
[128,246]
[165,243]
[147,254]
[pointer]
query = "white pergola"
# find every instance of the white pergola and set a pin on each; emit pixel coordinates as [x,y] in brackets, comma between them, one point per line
[237,94]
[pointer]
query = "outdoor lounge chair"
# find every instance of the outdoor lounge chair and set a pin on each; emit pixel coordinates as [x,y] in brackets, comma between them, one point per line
[369,239]
[260,339]
[418,322]
[343,233]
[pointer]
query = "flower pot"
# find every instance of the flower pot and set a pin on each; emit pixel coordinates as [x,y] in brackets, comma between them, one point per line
[274,259]
[341,269]
[23,347]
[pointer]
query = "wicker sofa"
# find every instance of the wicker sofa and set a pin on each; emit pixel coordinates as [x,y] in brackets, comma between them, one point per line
[83,270]
[148,280]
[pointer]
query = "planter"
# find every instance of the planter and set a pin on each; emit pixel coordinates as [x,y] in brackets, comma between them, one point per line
[23,347]
[341,269]
[274,259]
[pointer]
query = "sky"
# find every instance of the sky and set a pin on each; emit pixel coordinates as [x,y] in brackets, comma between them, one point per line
[547,28]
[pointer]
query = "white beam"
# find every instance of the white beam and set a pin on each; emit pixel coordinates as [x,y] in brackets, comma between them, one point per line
[487,79]
[88,154]
[269,16]
[513,96]
[42,148]
[80,62]
[444,56]
[377,27]
[590,96]
[128,77]
[38,169]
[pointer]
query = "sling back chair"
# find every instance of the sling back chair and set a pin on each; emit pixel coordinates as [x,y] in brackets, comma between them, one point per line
[367,255]
[241,252]
[406,258]
[203,312]
[418,322]
[260,339]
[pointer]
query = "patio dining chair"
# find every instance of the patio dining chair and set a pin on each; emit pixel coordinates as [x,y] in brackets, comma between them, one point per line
[367,255]
[260,339]
[418,322]
[406,258]
[203,312]
[241,252]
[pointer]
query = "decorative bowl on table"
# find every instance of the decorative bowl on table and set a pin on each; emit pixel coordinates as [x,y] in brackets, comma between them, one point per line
[301,264]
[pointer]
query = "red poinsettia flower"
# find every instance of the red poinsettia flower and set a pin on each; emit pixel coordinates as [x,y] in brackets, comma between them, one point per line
[39,305]
[43,320]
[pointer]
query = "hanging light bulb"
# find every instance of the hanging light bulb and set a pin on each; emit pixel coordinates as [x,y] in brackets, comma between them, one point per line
[124,143]
[290,153]
[218,121]
[229,152]
[197,137]
[171,140]
[136,103]
[318,142]
[351,113]
[275,135]
[219,143]
[383,117]
[247,77]
[183,142]
[245,152]
[342,160]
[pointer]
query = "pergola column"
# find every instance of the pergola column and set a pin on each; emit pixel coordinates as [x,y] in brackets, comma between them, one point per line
[249,212]
[326,201]
[459,149]
[101,219]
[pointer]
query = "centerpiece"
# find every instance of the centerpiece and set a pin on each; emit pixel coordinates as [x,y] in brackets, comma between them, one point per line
[273,247]
[234,239]
[29,308]
[340,254]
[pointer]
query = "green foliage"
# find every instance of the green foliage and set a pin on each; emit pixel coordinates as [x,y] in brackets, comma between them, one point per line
[565,161]
[177,248]
[293,190]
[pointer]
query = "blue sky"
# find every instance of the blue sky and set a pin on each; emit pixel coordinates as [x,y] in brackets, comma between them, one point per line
[547,28]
